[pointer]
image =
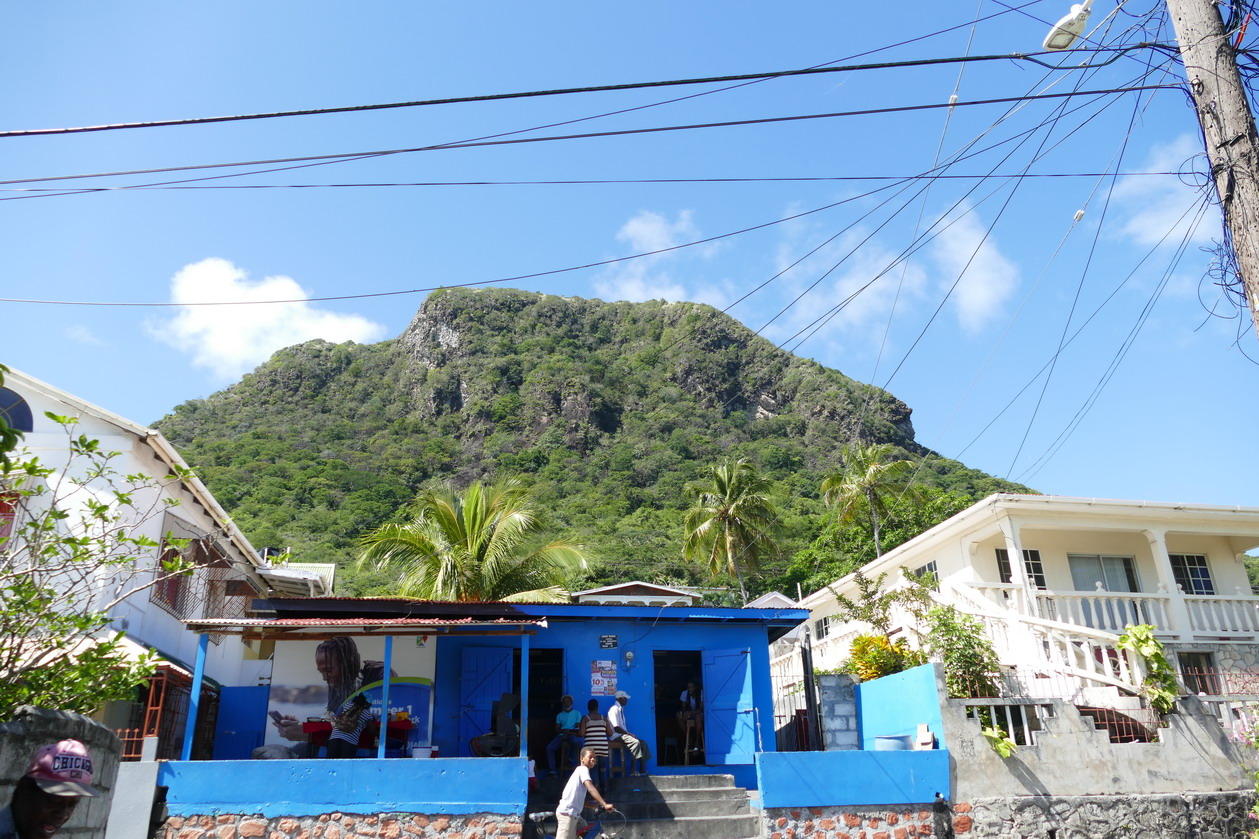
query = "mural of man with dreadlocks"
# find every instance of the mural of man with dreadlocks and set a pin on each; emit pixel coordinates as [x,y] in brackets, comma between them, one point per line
[340,666]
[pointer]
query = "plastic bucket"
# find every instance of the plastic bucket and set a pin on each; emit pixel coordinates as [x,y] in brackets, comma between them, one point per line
[421,752]
[892,743]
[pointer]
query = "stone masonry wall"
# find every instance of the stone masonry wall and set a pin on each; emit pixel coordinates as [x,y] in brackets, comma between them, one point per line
[1191,816]
[343,826]
[865,822]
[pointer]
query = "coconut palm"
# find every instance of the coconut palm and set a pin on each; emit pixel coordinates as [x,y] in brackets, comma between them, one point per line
[867,483]
[474,546]
[733,523]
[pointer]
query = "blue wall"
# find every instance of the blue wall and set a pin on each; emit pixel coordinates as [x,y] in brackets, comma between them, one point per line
[896,704]
[312,787]
[579,639]
[833,779]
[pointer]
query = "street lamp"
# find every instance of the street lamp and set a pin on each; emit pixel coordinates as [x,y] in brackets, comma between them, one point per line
[1070,27]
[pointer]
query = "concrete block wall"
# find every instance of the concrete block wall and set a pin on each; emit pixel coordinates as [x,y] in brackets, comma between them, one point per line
[838,709]
[343,826]
[33,727]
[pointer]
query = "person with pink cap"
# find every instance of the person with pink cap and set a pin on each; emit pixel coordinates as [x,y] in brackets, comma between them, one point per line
[44,798]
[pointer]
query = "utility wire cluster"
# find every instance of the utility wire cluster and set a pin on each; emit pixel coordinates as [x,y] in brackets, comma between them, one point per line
[1066,87]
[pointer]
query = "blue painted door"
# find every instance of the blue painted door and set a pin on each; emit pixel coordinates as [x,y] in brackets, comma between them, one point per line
[485,675]
[241,722]
[729,716]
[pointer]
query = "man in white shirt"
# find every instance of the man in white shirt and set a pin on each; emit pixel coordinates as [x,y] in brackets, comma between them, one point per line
[639,752]
[573,801]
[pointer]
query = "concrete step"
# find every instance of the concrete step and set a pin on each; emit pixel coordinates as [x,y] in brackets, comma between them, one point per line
[667,807]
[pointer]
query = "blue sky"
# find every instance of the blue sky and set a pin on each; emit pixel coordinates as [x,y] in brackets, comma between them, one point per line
[1079,357]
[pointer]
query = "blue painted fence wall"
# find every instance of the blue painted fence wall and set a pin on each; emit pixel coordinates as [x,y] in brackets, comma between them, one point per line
[274,788]
[896,704]
[841,778]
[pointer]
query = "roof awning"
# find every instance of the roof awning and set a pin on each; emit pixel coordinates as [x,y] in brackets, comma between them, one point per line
[312,629]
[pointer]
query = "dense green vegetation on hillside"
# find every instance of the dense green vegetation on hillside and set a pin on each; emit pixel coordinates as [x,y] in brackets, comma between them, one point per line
[606,410]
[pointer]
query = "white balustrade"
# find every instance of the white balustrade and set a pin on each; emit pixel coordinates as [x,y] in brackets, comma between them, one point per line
[1223,615]
[1110,611]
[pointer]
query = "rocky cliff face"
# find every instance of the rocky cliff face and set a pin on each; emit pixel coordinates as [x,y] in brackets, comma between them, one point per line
[607,409]
[709,358]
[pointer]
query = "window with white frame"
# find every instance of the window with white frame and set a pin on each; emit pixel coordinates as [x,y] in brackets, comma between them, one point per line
[1192,574]
[1032,565]
[821,628]
[922,571]
[1114,573]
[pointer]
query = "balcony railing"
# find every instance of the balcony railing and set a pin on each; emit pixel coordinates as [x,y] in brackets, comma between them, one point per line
[1223,615]
[1112,611]
[1109,611]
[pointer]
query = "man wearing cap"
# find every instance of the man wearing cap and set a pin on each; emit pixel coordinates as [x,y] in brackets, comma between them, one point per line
[639,752]
[44,798]
[566,722]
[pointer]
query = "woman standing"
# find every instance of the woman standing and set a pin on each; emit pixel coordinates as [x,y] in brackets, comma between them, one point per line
[594,731]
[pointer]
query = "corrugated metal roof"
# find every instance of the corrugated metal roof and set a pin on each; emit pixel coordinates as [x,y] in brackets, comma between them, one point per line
[362,625]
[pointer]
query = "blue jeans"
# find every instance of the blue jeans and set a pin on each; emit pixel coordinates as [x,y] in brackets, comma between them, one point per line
[553,748]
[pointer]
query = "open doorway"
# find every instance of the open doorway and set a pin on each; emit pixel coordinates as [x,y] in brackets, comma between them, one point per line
[546,686]
[673,670]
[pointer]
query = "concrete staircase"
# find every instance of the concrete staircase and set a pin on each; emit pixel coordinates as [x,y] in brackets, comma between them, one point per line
[667,807]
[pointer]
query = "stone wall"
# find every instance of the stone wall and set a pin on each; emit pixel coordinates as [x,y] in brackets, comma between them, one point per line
[865,822]
[1200,816]
[342,826]
[838,708]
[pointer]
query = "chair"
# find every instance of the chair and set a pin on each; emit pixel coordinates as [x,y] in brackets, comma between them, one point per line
[694,739]
[617,747]
[672,751]
[504,737]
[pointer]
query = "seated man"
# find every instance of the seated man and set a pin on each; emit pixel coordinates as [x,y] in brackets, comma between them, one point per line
[690,708]
[638,749]
[566,723]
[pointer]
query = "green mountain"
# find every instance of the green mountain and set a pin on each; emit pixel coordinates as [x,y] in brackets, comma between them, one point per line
[607,409]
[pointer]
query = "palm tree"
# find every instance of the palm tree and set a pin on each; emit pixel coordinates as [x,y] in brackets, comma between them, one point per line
[733,522]
[867,483]
[472,546]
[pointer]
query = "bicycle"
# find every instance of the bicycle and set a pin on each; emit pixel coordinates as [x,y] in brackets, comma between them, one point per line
[592,830]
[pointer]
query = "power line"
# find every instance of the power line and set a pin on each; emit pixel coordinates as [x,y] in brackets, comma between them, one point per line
[498,97]
[593,134]
[601,181]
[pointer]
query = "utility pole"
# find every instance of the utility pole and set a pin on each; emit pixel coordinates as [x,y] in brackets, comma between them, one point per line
[1228,127]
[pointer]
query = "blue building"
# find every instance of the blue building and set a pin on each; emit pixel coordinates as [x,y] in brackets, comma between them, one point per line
[454,661]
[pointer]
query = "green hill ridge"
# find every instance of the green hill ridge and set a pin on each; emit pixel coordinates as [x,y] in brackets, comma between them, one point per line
[606,409]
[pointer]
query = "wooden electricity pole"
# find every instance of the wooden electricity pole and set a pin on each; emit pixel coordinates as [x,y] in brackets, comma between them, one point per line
[1228,128]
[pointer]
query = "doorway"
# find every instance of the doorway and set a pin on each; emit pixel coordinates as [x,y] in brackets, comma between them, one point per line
[673,670]
[546,686]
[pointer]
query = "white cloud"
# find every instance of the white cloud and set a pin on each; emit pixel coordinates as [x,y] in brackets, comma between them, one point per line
[80,334]
[1160,208]
[988,278]
[850,283]
[648,278]
[231,340]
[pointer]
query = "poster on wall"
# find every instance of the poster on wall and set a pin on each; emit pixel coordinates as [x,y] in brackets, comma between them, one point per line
[310,680]
[602,677]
